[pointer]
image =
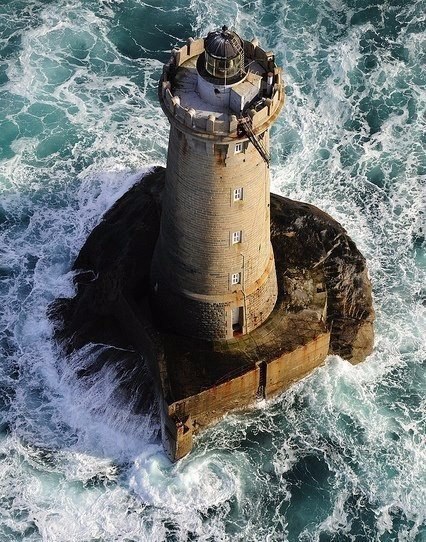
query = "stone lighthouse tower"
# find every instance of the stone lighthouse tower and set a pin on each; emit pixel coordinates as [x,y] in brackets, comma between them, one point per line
[193,286]
[213,272]
[198,257]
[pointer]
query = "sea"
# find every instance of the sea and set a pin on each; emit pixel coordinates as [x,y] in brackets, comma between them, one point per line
[341,455]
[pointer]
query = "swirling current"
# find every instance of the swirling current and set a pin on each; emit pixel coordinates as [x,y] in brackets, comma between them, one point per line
[338,457]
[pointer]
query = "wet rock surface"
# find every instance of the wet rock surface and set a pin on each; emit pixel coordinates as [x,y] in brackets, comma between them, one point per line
[114,261]
[306,238]
[314,256]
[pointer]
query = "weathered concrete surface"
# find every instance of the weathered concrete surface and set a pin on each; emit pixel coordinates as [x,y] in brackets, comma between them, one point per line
[294,365]
[322,281]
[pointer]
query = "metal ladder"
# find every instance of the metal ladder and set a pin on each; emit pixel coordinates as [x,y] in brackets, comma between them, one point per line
[246,125]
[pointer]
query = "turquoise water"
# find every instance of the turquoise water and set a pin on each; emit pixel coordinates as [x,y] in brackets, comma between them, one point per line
[340,456]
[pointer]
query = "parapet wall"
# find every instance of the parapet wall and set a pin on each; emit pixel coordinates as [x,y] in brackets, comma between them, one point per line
[209,405]
[266,379]
[295,365]
[260,116]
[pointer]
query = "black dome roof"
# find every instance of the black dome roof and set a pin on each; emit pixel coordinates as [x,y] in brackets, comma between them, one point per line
[223,43]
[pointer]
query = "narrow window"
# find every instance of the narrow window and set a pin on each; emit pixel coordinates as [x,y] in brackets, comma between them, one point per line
[235,278]
[236,237]
[221,150]
[238,194]
[238,148]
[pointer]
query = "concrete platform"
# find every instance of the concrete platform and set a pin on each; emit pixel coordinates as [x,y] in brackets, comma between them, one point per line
[194,366]
[202,381]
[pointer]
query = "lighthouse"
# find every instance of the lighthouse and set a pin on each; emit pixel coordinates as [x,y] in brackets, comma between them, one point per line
[213,271]
[190,278]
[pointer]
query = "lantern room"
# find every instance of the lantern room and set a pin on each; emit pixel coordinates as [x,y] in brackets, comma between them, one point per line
[224,55]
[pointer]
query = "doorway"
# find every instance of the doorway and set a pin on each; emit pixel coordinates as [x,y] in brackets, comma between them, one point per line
[237,321]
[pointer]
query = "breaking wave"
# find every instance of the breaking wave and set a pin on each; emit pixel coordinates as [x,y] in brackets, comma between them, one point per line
[340,456]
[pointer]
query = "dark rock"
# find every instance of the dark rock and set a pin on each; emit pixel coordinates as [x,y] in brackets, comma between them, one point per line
[303,236]
[114,264]
[115,260]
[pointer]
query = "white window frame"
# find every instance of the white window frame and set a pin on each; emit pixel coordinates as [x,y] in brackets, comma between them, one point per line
[238,148]
[237,237]
[238,193]
[235,279]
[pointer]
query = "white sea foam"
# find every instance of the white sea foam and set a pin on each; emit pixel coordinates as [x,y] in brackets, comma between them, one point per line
[77,464]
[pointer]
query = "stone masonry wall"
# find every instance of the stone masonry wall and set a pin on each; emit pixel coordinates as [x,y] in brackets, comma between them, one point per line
[261,303]
[211,404]
[195,256]
[239,392]
[295,365]
[199,215]
[213,320]
[185,316]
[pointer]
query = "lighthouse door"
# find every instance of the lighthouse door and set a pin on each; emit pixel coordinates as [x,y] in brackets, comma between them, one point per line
[237,320]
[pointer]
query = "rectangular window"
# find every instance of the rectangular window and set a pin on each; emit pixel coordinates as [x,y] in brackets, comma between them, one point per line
[238,194]
[238,148]
[235,278]
[236,237]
